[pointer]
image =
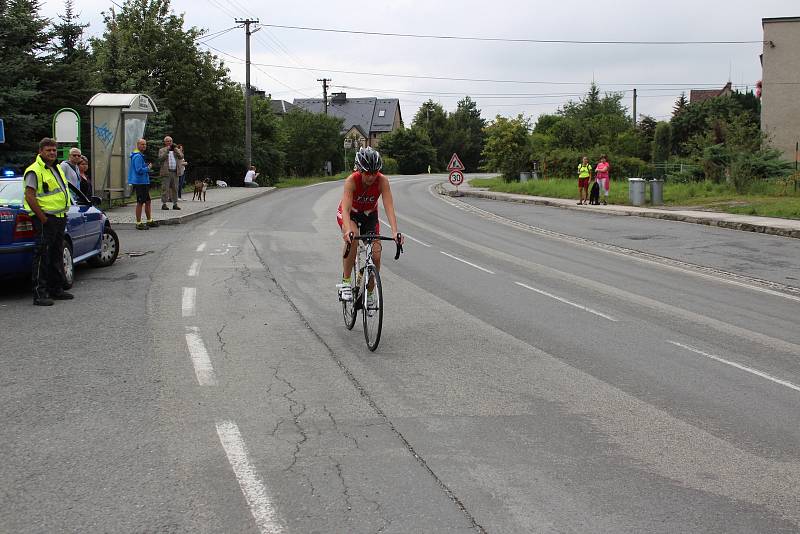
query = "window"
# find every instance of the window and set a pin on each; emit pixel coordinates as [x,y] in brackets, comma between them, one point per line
[382,113]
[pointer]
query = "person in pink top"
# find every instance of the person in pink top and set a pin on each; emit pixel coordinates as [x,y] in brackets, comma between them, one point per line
[601,176]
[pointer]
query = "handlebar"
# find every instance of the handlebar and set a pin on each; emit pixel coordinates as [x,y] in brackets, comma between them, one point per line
[375,237]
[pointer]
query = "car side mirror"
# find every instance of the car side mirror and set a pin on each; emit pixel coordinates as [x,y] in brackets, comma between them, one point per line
[96,201]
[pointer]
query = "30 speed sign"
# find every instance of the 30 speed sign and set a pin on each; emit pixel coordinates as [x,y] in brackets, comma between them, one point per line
[456,177]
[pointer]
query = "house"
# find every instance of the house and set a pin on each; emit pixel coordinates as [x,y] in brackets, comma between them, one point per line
[365,119]
[698,95]
[281,107]
[780,83]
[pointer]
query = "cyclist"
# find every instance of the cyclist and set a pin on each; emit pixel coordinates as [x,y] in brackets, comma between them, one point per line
[358,213]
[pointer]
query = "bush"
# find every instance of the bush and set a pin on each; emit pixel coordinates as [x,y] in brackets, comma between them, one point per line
[390,166]
[563,163]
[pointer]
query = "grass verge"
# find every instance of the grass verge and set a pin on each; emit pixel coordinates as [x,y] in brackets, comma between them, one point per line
[300,182]
[765,199]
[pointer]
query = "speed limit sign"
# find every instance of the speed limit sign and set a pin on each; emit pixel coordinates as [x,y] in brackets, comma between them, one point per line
[456,177]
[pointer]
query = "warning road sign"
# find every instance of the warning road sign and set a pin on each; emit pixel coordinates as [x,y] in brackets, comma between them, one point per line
[456,177]
[455,164]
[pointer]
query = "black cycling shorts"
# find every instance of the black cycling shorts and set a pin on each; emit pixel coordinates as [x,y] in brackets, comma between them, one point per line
[367,224]
[142,193]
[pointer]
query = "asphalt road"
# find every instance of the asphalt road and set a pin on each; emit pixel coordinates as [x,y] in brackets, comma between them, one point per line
[540,370]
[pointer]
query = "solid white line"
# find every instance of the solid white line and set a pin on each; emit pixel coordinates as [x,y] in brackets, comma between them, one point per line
[738,366]
[202,363]
[189,297]
[406,235]
[201,247]
[211,233]
[465,261]
[565,301]
[194,268]
[255,493]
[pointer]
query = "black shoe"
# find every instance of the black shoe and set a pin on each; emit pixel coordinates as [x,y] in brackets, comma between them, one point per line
[44,301]
[164,207]
[176,207]
[62,296]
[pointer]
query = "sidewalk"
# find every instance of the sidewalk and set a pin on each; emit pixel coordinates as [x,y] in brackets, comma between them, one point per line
[217,199]
[747,223]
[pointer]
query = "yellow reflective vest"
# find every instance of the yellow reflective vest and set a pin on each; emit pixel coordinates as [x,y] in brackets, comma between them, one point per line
[49,194]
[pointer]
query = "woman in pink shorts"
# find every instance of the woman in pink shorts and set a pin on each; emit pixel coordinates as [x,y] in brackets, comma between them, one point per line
[601,176]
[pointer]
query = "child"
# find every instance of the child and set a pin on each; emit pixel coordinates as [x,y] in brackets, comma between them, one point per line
[601,176]
[584,174]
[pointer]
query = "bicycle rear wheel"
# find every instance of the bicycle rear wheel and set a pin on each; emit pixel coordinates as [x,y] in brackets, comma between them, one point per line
[349,312]
[372,314]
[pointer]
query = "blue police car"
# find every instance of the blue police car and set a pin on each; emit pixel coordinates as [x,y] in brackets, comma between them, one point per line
[89,236]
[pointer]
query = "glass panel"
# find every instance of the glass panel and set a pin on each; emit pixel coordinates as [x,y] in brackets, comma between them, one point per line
[11,192]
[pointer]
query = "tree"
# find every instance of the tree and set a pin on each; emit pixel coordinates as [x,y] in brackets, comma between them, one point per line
[23,39]
[680,104]
[311,140]
[432,119]
[412,149]
[662,142]
[466,127]
[506,149]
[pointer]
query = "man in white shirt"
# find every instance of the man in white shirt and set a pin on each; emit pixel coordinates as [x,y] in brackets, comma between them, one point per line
[250,177]
[70,167]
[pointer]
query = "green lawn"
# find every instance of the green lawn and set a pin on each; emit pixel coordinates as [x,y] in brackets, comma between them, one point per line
[764,199]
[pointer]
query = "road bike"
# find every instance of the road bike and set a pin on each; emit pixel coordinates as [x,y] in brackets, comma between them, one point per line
[366,276]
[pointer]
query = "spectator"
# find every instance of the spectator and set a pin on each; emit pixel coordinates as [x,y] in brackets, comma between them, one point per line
[169,157]
[86,183]
[182,173]
[139,178]
[584,174]
[47,201]
[70,167]
[601,176]
[250,177]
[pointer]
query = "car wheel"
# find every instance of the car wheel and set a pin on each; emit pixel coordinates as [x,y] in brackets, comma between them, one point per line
[69,268]
[109,249]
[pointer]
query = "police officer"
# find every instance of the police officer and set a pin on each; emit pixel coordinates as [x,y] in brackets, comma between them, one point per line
[47,201]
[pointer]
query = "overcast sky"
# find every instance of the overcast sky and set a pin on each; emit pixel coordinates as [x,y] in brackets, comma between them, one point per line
[659,72]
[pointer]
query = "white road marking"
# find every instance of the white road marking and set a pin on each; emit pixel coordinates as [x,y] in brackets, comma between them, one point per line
[201,247]
[565,301]
[194,268]
[465,261]
[211,233]
[255,492]
[738,366]
[189,297]
[405,235]
[202,363]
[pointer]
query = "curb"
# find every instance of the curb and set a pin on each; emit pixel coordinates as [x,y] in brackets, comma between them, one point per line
[621,211]
[202,213]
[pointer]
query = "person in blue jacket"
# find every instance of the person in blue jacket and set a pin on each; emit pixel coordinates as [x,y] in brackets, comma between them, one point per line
[139,178]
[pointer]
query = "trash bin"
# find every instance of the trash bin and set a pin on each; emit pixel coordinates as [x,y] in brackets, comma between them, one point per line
[524,176]
[656,192]
[636,191]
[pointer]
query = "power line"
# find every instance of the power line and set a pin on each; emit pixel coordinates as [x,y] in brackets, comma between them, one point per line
[508,40]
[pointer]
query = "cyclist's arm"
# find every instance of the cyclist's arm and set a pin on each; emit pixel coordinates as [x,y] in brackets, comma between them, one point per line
[347,206]
[388,205]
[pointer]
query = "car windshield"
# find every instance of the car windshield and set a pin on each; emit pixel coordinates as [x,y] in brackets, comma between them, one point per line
[11,192]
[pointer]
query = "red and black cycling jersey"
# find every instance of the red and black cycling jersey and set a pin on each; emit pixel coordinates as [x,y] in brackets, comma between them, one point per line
[365,197]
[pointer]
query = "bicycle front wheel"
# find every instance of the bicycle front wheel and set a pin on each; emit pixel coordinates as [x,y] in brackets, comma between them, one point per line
[373,307]
[349,313]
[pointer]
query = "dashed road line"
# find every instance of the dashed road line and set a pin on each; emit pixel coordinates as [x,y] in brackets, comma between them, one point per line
[565,301]
[745,368]
[194,268]
[406,235]
[212,233]
[203,369]
[188,302]
[254,490]
[465,261]
[201,247]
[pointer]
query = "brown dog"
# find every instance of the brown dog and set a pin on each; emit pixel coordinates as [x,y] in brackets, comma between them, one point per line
[200,188]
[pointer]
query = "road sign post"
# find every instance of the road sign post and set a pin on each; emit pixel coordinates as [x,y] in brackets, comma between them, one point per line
[456,169]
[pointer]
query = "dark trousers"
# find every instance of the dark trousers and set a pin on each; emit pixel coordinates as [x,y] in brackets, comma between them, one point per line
[48,257]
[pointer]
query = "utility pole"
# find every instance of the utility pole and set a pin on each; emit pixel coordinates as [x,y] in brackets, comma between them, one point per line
[325,92]
[634,108]
[248,149]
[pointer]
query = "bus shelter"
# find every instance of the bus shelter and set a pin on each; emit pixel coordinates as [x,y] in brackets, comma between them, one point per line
[117,122]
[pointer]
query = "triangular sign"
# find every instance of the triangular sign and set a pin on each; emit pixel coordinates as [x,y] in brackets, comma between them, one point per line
[455,164]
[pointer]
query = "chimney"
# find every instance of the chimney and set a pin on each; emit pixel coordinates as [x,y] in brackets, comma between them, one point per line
[339,98]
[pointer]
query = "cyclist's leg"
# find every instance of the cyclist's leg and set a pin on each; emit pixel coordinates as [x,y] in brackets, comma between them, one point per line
[372,225]
[349,260]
